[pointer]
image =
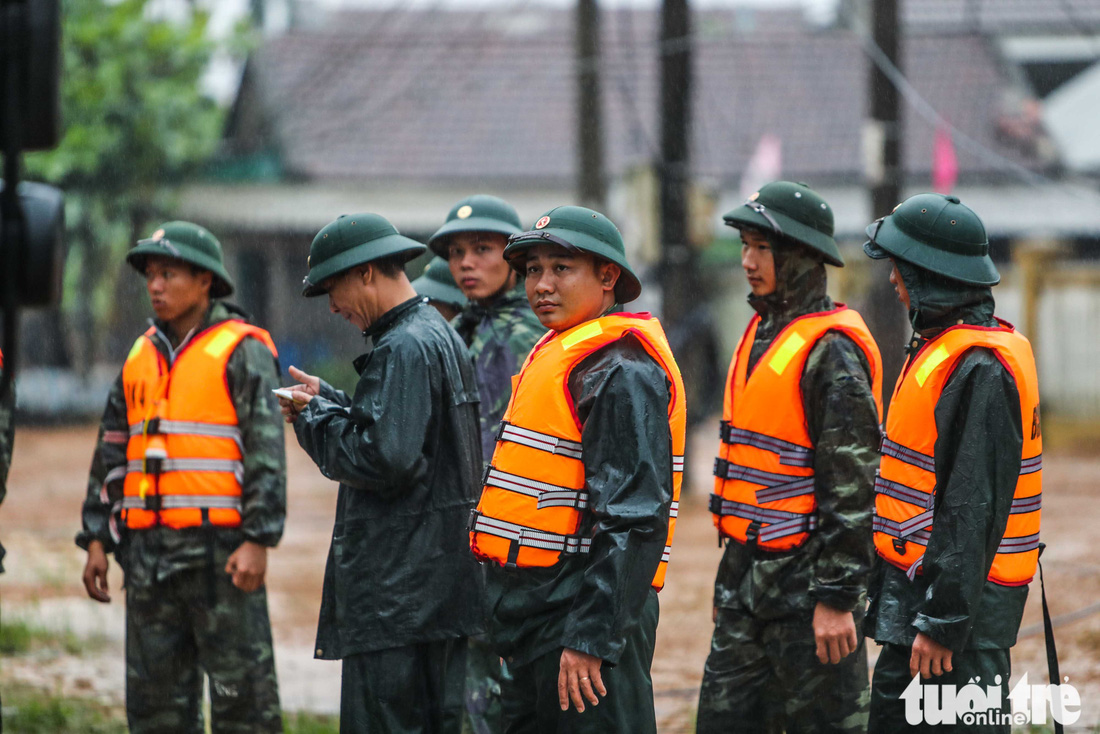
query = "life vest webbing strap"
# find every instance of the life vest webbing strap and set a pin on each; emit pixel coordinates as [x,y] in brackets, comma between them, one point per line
[527,536]
[775,523]
[537,440]
[1022,505]
[1022,544]
[790,454]
[1032,465]
[181,501]
[787,490]
[908,455]
[912,530]
[725,469]
[229,466]
[548,495]
[186,428]
[1008,545]
[904,492]
[116,437]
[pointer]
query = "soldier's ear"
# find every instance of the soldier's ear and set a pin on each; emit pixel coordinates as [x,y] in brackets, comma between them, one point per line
[609,275]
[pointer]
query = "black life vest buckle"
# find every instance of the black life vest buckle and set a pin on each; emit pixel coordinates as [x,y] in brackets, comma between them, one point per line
[721,468]
[899,546]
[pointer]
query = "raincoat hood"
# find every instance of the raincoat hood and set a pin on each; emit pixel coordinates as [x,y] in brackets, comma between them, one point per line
[936,302]
[799,281]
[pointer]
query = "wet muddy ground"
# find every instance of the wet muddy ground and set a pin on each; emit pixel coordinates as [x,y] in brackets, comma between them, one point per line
[42,584]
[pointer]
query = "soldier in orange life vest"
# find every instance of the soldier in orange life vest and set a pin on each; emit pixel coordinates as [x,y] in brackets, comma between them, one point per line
[188,490]
[959,487]
[576,516]
[793,487]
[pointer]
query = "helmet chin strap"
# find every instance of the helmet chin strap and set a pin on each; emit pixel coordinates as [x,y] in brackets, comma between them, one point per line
[509,284]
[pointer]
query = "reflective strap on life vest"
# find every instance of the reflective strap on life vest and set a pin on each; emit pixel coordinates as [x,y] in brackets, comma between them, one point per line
[1021,505]
[1008,545]
[790,454]
[912,530]
[908,455]
[1032,465]
[677,463]
[667,554]
[775,523]
[182,501]
[1022,544]
[536,440]
[116,437]
[527,536]
[230,466]
[188,428]
[674,509]
[548,495]
[903,492]
[776,486]
[796,488]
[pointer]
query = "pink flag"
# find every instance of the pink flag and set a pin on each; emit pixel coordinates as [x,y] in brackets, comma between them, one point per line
[945,166]
[764,166]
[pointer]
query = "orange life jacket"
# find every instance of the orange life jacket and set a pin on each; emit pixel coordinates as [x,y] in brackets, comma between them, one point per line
[764,472]
[906,485]
[184,450]
[534,498]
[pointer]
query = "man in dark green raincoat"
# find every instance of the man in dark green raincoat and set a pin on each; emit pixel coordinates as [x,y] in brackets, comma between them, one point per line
[950,623]
[401,591]
[786,653]
[499,328]
[195,600]
[582,631]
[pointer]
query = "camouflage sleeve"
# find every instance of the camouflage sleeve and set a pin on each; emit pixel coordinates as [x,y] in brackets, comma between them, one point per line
[844,425]
[251,374]
[107,473]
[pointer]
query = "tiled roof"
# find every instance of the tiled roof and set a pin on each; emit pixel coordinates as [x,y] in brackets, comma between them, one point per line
[489,96]
[1023,17]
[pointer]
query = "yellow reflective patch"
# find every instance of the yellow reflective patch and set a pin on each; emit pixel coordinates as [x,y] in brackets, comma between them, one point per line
[785,353]
[582,333]
[136,349]
[935,359]
[220,343]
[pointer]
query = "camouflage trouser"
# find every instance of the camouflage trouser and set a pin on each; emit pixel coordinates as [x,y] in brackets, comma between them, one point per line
[484,673]
[764,677]
[174,635]
[892,676]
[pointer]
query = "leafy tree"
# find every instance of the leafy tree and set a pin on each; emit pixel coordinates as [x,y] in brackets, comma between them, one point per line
[135,122]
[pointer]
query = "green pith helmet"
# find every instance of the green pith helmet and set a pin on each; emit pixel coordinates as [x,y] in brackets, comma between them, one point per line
[190,243]
[437,284]
[575,227]
[477,213]
[938,233]
[350,240]
[793,210]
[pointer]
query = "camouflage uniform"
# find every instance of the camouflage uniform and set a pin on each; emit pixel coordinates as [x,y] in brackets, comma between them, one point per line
[7,439]
[184,617]
[499,336]
[762,674]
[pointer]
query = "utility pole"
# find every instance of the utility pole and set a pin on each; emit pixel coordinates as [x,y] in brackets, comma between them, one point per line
[884,314]
[591,183]
[677,261]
